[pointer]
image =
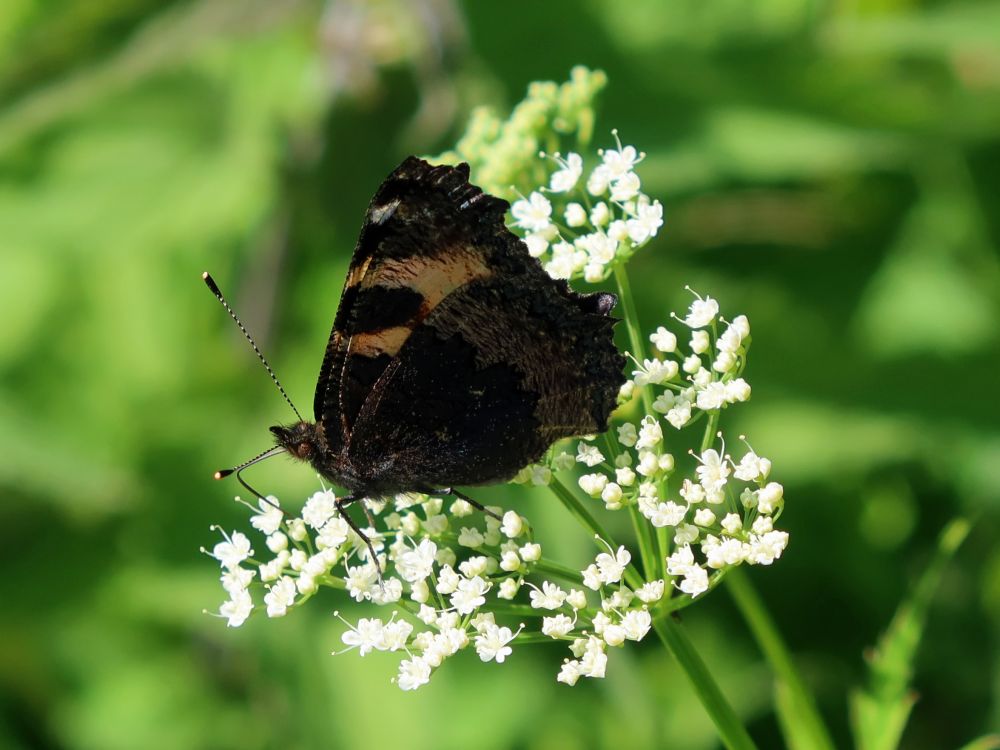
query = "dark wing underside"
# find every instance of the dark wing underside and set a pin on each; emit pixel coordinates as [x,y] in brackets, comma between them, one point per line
[454,358]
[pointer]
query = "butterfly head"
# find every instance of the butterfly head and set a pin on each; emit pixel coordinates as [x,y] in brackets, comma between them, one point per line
[301,439]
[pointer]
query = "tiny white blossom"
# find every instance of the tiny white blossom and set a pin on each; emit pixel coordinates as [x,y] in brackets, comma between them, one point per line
[713,471]
[365,636]
[651,591]
[592,577]
[612,567]
[625,188]
[600,214]
[537,244]
[491,645]
[636,624]
[280,597]
[566,178]
[612,496]
[594,661]
[732,524]
[681,561]
[513,525]
[447,580]
[531,552]
[237,609]
[593,484]
[769,497]
[359,581]
[767,547]
[664,340]
[557,626]
[395,635]
[508,588]
[576,215]
[752,467]
[704,517]
[532,213]
[625,476]
[576,598]
[599,180]
[646,223]
[702,312]
[650,434]
[614,635]
[413,673]
[417,563]
[470,537]
[737,390]
[621,160]
[233,551]
[319,508]
[627,434]
[549,596]
[569,673]
[470,595]
[236,579]
[589,454]
[270,517]
[762,525]
[695,581]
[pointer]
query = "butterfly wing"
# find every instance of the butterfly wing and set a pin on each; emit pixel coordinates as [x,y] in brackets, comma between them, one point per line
[413,251]
[499,366]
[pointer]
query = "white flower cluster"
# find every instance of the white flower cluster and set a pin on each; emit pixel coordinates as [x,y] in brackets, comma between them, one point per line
[722,515]
[580,227]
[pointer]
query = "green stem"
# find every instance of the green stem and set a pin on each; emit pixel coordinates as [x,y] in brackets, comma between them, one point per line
[731,730]
[648,549]
[800,704]
[575,507]
[558,570]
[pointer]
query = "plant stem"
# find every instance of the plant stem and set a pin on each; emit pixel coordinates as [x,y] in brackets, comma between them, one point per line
[731,731]
[559,570]
[648,549]
[574,506]
[800,704]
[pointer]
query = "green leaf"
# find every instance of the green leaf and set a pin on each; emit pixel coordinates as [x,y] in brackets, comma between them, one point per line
[879,711]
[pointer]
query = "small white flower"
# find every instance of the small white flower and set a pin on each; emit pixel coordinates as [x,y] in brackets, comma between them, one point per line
[681,561]
[600,214]
[627,434]
[297,530]
[618,231]
[589,454]
[712,396]
[447,580]
[685,533]
[625,476]
[508,588]
[636,623]
[592,577]
[319,508]
[557,626]
[566,178]
[664,340]
[417,563]
[719,554]
[420,592]
[713,471]
[576,598]
[649,464]
[365,636]
[650,592]
[413,673]
[621,160]
[395,635]
[767,547]
[762,525]
[695,581]
[531,552]
[569,673]
[540,475]
[612,567]
[513,525]
[533,213]
[732,524]
[646,223]
[470,537]
[461,508]
[600,178]
[769,497]
[625,188]
[537,244]
[270,517]
[699,342]
[237,609]
[549,596]
[593,484]
[680,413]
[737,390]
[359,581]
[612,496]
[470,595]
[752,467]
[474,566]
[491,645]
[663,514]
[614,635]
[650,434]
[280,597]
[704,517]
[236,579]
[702,312]
[594,661]
[233,551]
[576,215]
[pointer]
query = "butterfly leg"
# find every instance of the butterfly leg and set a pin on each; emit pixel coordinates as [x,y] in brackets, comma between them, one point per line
[461,496]
[239,478]
[343,502]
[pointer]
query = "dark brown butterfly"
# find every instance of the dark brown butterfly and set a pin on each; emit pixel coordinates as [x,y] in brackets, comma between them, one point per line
[454,359]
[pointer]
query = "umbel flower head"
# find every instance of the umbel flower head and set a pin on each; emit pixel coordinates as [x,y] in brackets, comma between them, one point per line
[452,579]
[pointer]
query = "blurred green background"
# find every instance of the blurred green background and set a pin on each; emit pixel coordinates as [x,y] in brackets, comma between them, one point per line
[832,169]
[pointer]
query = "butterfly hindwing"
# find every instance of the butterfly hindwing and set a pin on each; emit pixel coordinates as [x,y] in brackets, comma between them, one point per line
[501,369]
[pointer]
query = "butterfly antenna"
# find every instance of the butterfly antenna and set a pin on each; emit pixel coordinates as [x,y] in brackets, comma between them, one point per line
[238,470]
[210,282]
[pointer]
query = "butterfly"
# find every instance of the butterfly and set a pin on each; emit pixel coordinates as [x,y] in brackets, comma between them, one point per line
[454,358]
